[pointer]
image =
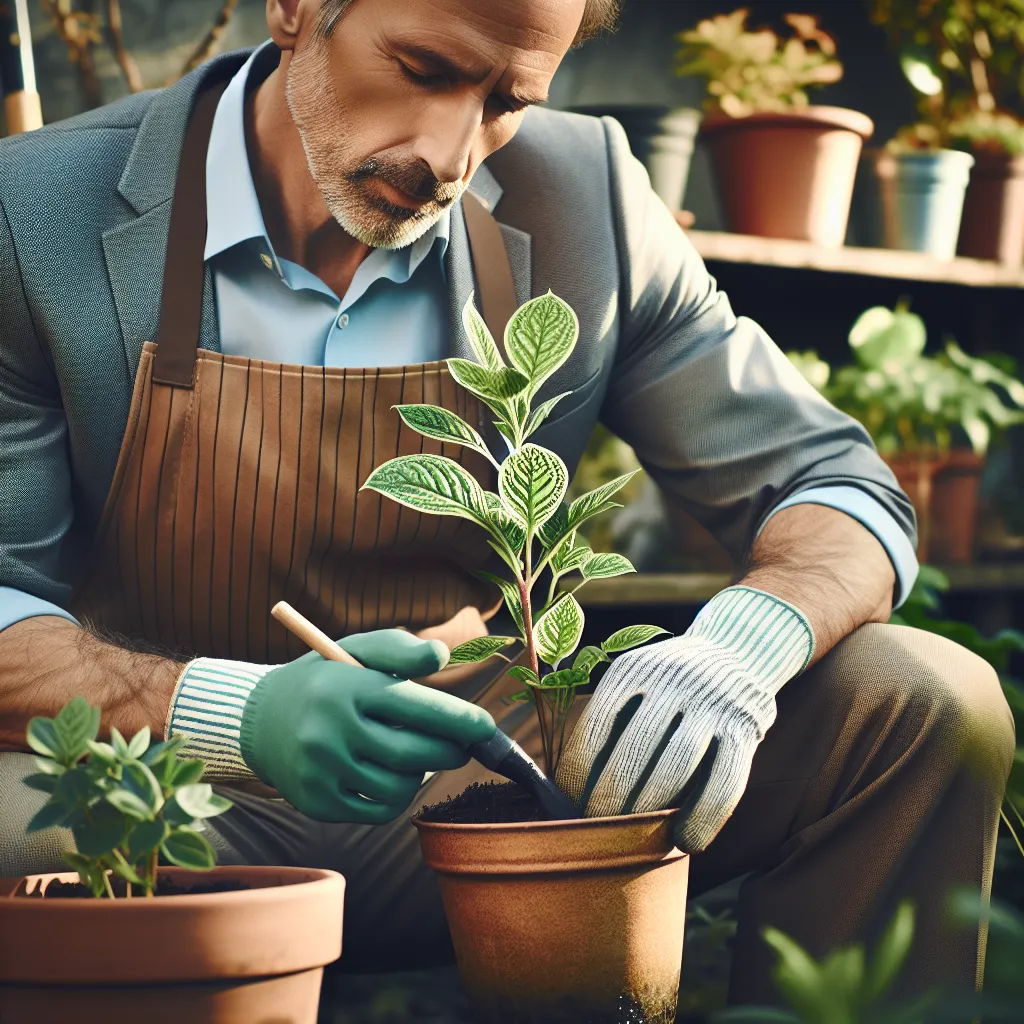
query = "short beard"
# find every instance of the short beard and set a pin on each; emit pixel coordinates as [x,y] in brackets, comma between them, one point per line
[322,121]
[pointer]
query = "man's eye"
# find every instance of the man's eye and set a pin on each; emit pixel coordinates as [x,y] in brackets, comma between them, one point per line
[421,79]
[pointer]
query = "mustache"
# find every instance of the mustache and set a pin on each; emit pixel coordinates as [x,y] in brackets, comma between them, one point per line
[414,180]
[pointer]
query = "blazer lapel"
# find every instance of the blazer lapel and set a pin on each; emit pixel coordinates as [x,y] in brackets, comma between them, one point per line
[459,262]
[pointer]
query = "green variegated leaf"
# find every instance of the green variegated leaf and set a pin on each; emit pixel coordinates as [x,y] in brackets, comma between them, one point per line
[631,636]
[147,836]
[48,767]
[120,744]
[606,565]
[43,738]
[597,501]
[103,832]
[187,772]
[494,385]
[137,778]
[522,674]
[480,649]
[542,412]
[512,531]
[129,803]
[139,742]
[506,432]
[431,484]
[41,781]
[510,592]
[556,529]
[480,339]
[588,658]
[442,425]
[558,630]
[568,558]
[532,483]
[540,337]
[50,814]
[198,800]
[566,677]
[103,752]
[76,725]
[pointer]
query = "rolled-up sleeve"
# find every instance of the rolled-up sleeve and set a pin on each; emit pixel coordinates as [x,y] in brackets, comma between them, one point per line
[719,417]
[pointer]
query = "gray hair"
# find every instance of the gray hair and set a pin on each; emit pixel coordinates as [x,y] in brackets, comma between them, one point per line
[598,16]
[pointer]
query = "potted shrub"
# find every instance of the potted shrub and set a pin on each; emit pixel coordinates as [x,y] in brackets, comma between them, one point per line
[965,65]
[931,417]
[551,920]
[120,937]
[662,138]
[784,168]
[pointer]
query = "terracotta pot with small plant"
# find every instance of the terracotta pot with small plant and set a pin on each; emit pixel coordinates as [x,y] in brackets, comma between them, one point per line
[784,168]
[551,920]
[144,927]
[965,64]
[931,417]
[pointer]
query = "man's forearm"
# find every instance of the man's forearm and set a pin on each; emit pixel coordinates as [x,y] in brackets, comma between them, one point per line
[45,661]
[824,563]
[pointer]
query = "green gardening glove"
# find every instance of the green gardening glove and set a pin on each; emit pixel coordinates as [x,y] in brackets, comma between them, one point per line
[351,744]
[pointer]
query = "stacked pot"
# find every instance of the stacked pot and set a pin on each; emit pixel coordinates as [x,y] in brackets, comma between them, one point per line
[662,138]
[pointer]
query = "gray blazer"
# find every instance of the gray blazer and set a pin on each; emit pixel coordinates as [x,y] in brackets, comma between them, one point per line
[713,409]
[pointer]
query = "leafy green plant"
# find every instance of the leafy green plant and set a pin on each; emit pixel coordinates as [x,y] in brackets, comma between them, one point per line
[530,526]
[844,988]
[912,403]
[964,59]
[753,71]
[126,802]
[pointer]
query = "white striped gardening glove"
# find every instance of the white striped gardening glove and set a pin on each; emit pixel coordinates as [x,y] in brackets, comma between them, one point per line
[660,709]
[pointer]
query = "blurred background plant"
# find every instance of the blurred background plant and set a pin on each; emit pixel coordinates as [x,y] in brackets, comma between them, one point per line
[752,71]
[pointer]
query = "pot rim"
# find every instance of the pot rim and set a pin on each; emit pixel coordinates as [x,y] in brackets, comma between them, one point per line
[813,116]
[566,824]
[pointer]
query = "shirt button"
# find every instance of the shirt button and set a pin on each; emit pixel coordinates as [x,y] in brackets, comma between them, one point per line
[343,321]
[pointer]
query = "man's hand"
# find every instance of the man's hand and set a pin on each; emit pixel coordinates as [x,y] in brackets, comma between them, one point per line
[340,743]
[677,723]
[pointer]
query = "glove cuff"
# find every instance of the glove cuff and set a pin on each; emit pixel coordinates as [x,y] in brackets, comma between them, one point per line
[207,706]
[771,639]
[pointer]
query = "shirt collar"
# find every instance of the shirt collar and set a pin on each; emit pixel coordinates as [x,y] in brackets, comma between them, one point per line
[232,207]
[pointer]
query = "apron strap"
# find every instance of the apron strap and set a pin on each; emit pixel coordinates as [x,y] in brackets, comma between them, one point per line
[181,310]
[495,284]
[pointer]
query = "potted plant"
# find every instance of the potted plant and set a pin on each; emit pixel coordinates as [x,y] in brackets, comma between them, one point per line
[551,920]
[121,937]
[964,62]
[662,138]
[784,168]
[931,417]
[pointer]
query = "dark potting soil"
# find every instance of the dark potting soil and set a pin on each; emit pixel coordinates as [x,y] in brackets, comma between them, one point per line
[486,803]
[77,891]
[628,1011]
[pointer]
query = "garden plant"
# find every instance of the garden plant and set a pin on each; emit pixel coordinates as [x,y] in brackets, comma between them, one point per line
[530,526]
[126,802]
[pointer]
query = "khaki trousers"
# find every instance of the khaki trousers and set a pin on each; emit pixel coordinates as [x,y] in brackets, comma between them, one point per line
[881,780]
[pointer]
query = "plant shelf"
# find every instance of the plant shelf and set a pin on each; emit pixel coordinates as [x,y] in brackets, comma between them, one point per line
[724,247]
[696,588]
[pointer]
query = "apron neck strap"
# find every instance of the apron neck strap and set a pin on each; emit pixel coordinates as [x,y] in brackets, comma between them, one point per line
[181,310]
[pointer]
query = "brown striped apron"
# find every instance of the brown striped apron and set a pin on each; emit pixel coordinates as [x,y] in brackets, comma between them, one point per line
[238,480]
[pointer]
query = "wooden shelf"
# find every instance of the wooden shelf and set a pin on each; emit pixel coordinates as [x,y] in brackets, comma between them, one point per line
[695,588]
[723,247]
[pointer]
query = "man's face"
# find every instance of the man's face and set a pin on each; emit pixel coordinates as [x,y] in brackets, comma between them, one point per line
[406,99]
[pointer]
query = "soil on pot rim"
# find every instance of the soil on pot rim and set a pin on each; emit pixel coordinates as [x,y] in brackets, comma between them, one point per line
[486,803]
[77,891]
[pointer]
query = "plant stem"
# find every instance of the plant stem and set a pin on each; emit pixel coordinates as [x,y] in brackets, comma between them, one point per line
[151,873]
[107,886]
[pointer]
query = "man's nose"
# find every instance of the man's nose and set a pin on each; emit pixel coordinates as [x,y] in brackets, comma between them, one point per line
[446,144]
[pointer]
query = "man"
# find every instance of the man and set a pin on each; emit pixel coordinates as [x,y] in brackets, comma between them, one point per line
[311,200]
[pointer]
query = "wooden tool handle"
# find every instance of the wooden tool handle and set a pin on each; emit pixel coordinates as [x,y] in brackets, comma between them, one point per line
[22,112]
[314,638]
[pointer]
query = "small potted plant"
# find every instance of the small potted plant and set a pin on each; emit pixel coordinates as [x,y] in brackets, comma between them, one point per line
[121,937]
[931,417]
[965,64]
[551,920]
[784,168]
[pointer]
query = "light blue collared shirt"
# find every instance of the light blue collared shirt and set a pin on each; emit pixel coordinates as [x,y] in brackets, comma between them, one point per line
[394,313]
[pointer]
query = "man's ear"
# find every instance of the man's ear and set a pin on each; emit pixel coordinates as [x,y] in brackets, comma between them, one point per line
[287,18]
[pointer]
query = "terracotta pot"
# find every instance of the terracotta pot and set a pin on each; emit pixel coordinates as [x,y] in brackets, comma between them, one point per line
[944,493]
[993,218]
[788,175]
[564,921]
[254,956]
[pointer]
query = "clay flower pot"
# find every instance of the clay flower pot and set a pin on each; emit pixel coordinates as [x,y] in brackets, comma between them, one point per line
[564,921]
[944,493]
[788,175]
[256,954]
[993,220]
